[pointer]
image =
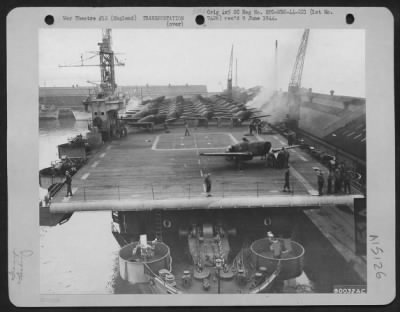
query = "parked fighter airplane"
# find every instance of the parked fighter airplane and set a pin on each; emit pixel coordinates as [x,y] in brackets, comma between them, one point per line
[154,111]
[246,150]
[231,109]
[247,115]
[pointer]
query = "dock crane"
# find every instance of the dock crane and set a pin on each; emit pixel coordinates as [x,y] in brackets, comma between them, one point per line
[105,104]
[276,67]
[229,84]
[295,83]
[236,75]
[295,79]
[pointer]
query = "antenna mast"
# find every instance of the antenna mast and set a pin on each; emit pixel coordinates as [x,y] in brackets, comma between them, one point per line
[106,54]
[236,76]
[108,61]
[276,67]
[229,86]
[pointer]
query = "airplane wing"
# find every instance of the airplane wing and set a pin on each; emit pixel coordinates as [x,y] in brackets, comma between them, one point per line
[222,117]
[261,116]
[192,117]
[227,154]
[277,149]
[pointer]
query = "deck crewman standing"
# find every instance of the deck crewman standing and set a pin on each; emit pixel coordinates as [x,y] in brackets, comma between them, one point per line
[338,180]
[187,132]
[286,187]
[347,181]
[68,181]
[330,180]
[271,160]
[207,184]
[320,182]
[282,159]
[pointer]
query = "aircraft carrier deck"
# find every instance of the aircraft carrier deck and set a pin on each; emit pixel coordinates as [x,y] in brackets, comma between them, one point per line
[168,165]
[147,166]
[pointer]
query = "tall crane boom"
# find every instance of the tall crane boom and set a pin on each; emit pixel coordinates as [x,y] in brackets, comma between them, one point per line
[229,86]
[276,67]
[236,75]
[294,99]
[295,80]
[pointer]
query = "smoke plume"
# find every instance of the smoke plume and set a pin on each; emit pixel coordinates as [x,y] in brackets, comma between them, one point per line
[271,102]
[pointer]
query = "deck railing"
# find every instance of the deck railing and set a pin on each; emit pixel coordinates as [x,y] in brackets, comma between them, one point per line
[157,191]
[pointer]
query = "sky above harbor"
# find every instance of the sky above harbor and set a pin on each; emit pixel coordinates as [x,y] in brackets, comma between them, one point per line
[335,59]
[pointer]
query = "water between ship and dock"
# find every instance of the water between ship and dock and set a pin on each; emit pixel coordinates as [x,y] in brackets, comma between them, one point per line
[81,255]
[68,251]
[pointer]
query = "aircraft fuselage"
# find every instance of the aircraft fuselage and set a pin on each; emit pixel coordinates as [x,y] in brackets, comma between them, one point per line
[253,148]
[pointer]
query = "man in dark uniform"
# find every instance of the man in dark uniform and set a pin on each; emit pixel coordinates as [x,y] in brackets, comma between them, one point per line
[286,159]
[271,160]
[290,139]
[320,182]
[187,133]
[68,181]
[347,182]
[338,180]
[330,180]
[287,184]
[259,127]
[207,184]
[281,159]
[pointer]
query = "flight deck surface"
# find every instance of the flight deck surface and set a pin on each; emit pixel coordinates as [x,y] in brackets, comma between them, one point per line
[168,165]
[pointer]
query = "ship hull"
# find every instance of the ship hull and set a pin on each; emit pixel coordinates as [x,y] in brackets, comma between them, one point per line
[79,115]
[48,115]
